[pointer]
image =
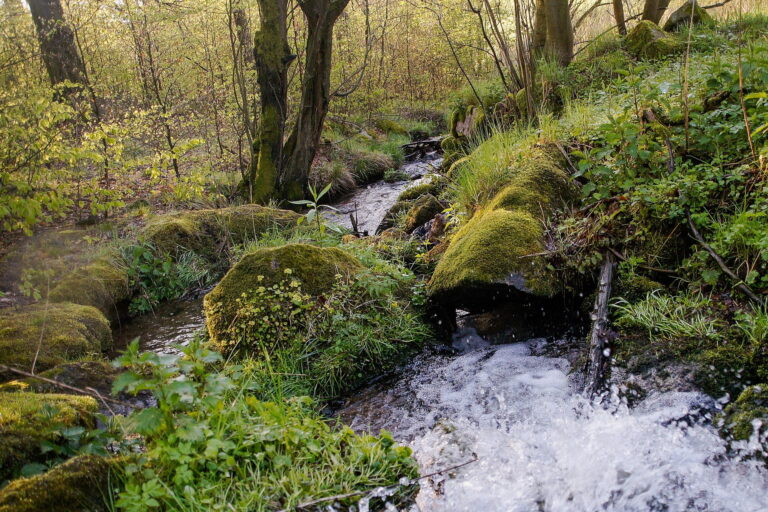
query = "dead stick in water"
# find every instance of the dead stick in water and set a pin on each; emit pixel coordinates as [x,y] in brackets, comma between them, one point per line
[598,338]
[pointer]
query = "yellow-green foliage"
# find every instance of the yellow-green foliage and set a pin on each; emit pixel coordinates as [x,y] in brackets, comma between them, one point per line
[648,41]
[423,210]
[750,410]
[62,332]
[80,484]
[494,246]
[101,284]
[27,419]
[315,267]
[205,231]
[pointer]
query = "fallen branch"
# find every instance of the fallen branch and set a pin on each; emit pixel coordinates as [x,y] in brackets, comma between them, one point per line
[87,391]
[599,336]
[337,497]
[746,290]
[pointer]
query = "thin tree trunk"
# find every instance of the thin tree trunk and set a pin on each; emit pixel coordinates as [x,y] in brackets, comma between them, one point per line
[301,147]
[559,32]
[618,14]
[272,58]
[653,10]
[57,42]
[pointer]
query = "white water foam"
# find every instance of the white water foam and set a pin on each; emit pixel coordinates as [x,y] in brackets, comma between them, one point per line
[540,446]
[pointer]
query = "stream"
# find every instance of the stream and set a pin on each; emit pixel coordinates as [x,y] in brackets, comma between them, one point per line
[504,427]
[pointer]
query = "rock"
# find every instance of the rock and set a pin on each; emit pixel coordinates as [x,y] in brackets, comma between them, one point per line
[62,332]
[423,210]
[102,284]
[648,41]
[28,419]
[207,232]
[315,267]
[419,190]
[498,250]
[748,417]
[80,484]
[467,122]
[97,375]
[682,16]
[390,218]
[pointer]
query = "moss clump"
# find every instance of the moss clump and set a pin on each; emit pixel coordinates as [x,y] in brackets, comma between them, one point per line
[102,284]
[418,191]
[206,232]
[97,375]
[648,41]
[725,370]
[62,332]
[423,210]
[28,419]
[390,126]
[392,215]
[682,16]
[315,267]
[494,247]
[80,484]
[634,287]
[748,416]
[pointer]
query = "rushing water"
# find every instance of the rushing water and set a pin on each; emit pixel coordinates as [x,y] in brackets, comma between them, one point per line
[537,445]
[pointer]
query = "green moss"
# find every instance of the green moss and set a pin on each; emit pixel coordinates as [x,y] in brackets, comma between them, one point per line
[62,332]
[418,191]
[315,267]
[80,484]
[749,411]
[390,126]
[205,232]
[423,210]
[391,217]
[28,419]
[97,375]
[635,287]
[688,11]
[648,41]
[102,285]
[369,166]
[726,369]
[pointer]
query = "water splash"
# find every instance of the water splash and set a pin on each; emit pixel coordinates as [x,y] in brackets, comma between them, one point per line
[540,446]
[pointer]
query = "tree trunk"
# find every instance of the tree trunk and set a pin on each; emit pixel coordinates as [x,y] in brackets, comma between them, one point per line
[653,10]
[301,147]
[618,14]
[57,42]
[539,37]
[559,32]
[272,58]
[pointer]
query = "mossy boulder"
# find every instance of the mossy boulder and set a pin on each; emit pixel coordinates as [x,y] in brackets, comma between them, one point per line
[747,417]
[390,126]
[423,210]
[61,332]
[208,232]
[682,16]
[97,375]
[648,41]
[81,484]
[315,267]
[103,284]
[419,190]
[28,419]
[499,249]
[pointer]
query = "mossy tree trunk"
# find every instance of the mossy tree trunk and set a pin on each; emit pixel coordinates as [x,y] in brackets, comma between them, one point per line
[301,147]
[653,10]
[559,45]
[618,14]
[57,43]
[539,36]
[272,58]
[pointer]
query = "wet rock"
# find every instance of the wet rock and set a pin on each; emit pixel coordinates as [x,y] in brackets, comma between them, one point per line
[315,267]
[50,334]
[103,284]
[689,11]
[746,420]
[467,339]
[80,484]
[648,41]
[28,419]
[425,208]
[97,375]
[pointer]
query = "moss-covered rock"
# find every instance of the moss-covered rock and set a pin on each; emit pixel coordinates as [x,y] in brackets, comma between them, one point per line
[81,484]
[725,370]
[207,232]
[315,267]
[748,417]
[498,247]
[392,215]
[648,41]
[418,191]
[28,419]
[102,284]
[423,210]
[390,126]
[50,334]
[97,375]
[682,16]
